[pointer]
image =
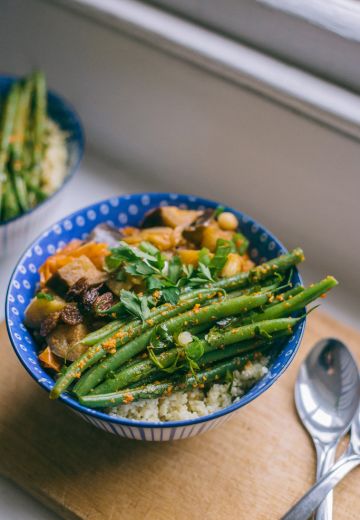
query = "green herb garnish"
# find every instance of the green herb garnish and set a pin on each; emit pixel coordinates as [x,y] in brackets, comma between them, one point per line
[45,296]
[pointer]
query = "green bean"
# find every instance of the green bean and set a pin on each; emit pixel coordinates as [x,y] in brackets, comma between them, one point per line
[154,390]
[260,344]
[94,376]
[286,295]
[40,102]
[261,272]
[103,333]
[17,148]
[297,302]
[146,368]
[11,206]
[236,320]
[7,126]
[259,329]
[166,359]
[207,314]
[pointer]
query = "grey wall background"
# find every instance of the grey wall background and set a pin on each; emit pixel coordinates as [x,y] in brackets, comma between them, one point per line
[188,130]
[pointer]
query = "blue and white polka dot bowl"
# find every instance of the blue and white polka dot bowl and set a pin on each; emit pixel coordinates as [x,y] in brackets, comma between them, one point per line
[118,211]
[14,233]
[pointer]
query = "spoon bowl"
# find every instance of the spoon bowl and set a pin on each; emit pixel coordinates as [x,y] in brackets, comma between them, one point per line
[327,390]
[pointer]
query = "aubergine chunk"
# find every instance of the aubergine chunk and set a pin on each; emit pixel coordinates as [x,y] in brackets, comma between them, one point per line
[170,216]
[69,274]
[106,234]
[40,309]
[194,233]
[65,341]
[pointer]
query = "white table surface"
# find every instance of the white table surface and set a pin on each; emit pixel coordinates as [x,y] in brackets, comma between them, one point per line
[96,180]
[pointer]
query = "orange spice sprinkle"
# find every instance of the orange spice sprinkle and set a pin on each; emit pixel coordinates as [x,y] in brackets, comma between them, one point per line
[196,308]
[109,344]
[128,398]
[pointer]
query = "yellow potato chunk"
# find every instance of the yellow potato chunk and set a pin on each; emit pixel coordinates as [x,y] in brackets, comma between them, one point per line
[235,264]
[211,235]
[189,256]
[161,237]
[39,309]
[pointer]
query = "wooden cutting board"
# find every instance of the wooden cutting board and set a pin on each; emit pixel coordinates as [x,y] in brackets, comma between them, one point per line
[253,467]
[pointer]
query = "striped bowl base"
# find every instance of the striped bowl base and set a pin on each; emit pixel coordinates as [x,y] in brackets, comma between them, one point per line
[160,433]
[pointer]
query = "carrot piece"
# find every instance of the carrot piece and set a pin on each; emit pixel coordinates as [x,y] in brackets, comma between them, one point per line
[96,252]
[49,360]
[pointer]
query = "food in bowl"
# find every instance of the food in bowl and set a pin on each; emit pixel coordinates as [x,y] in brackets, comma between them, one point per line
[167,321]
[33,152]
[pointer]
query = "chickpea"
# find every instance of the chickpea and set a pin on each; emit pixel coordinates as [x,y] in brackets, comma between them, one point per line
[228,221]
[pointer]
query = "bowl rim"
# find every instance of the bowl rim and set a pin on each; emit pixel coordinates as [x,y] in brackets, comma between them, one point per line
[123,421]
[81,140]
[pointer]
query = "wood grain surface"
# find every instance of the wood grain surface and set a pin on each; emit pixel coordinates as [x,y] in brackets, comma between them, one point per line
[253,467]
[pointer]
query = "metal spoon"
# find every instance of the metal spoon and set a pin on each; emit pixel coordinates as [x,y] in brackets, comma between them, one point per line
[327,394]
[351,458]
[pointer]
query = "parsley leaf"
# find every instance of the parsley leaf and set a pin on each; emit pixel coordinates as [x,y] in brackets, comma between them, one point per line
[204,256]
[223,248]
[153,283]
[241,243]
[205,272]
[170,294]
[174,269]
[218,211]
[124,253]
[45,296]
[135,304]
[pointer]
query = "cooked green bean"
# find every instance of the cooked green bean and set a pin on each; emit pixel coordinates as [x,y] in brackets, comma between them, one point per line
[216,372]
[103,333]
[18,145]
[252,330]
[146,367]
[40,103]
[297,302]
[7,127]
[261,272]
[195,317]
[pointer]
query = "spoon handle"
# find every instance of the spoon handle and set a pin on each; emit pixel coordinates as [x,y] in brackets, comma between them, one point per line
[313,498]
[325,459]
